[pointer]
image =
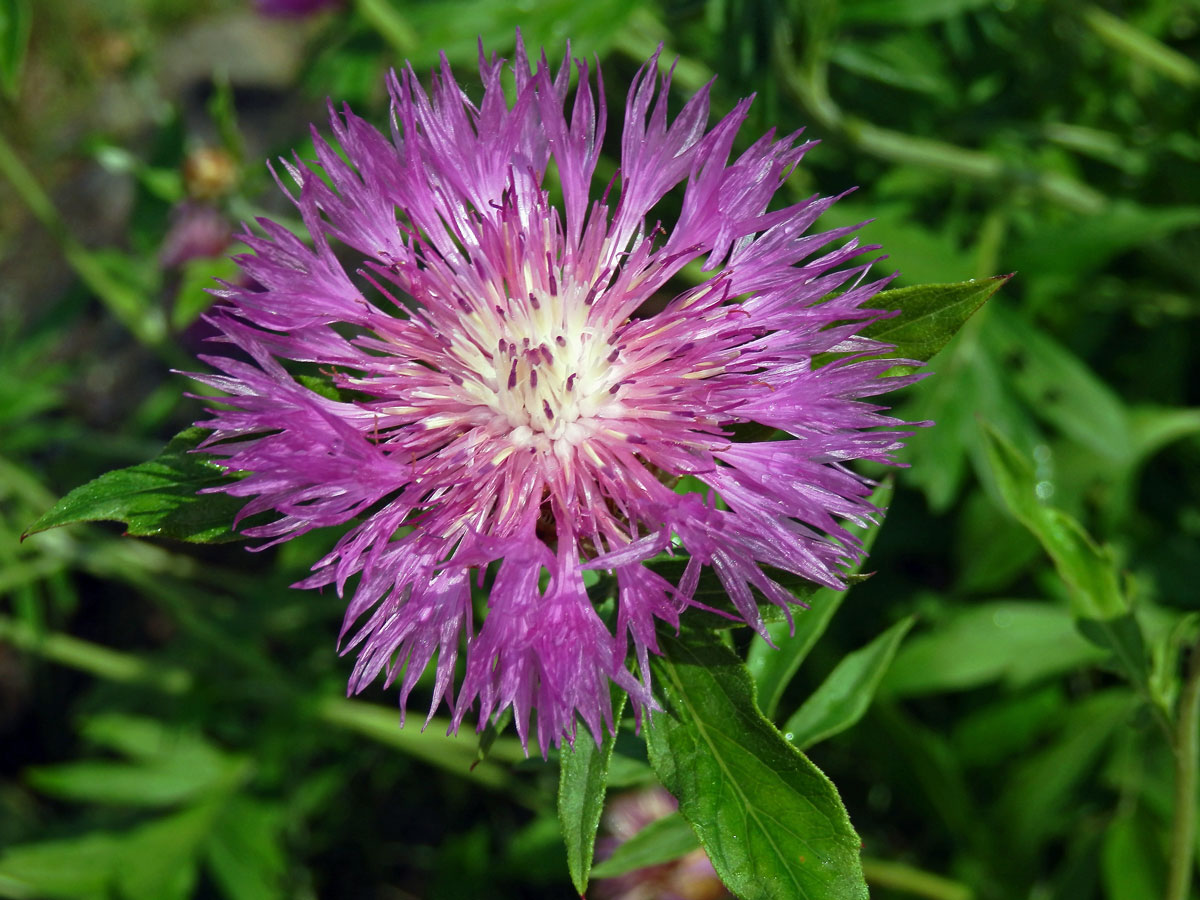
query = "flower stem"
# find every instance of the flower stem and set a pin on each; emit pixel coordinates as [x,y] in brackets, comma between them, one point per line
[392,27]
[896,876]
[94,659]
[431,744]
[1187,749]
[127,302]
[807,80]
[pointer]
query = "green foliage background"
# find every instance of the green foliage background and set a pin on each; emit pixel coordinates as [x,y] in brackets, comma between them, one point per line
[992,699]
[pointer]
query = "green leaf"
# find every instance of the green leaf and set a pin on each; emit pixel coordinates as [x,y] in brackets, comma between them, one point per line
[143,738]
[161,856]
[1011,641]
[845,695]
[595,25]
[771,822]
[1006,728]
[1122,637]
[929,255]
[245,853]
[659,842]
[773,668]
[1152,428]
[711,592]
[1141,47]
[157,498]
[1132,861]
[1088,569]
[1059,387]
[122,784]
[74,869]
[192,298]
[905,12]
[582,785]
[1040,798]
[170,766]
[930,314]
[1062,253]
[1098,602]
[990,551]
[16,22]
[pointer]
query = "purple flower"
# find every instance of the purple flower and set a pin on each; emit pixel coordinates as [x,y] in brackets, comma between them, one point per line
[197,231]
[293,9]
[533,370]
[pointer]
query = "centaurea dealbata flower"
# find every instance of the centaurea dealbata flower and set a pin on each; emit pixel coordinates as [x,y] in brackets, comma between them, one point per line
[528,379]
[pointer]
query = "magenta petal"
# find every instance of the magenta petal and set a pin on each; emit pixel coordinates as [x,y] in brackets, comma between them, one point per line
[520,394]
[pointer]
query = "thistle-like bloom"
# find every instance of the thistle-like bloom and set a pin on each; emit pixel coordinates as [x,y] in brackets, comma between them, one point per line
[528,368]
[293,9]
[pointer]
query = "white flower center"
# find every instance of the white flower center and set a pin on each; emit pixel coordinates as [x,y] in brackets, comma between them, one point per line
[550,374]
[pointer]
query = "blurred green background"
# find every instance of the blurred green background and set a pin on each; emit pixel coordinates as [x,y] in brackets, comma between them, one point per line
[171,718]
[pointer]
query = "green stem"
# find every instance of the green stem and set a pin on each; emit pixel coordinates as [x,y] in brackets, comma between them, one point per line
[1187,750]
[430,744]
[808,82]
[906,879]
[1141,47]
[392,27]
[94,659]
[126,302]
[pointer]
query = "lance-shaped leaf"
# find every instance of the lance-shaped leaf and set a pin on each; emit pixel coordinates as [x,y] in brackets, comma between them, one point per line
[16,23]
[774,667]
[157,498]
[930,314]
[1101,609]
[845,695]
[662,841]
[582,785]
[771,822]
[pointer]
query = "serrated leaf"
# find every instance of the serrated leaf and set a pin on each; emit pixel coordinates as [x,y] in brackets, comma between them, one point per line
[930,314]
[157,498]
[582,785]
[663,840]
[845,695]
[773,668]
[771,822]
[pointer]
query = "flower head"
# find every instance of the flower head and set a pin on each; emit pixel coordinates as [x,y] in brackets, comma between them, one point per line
[293,9]
[527,373]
